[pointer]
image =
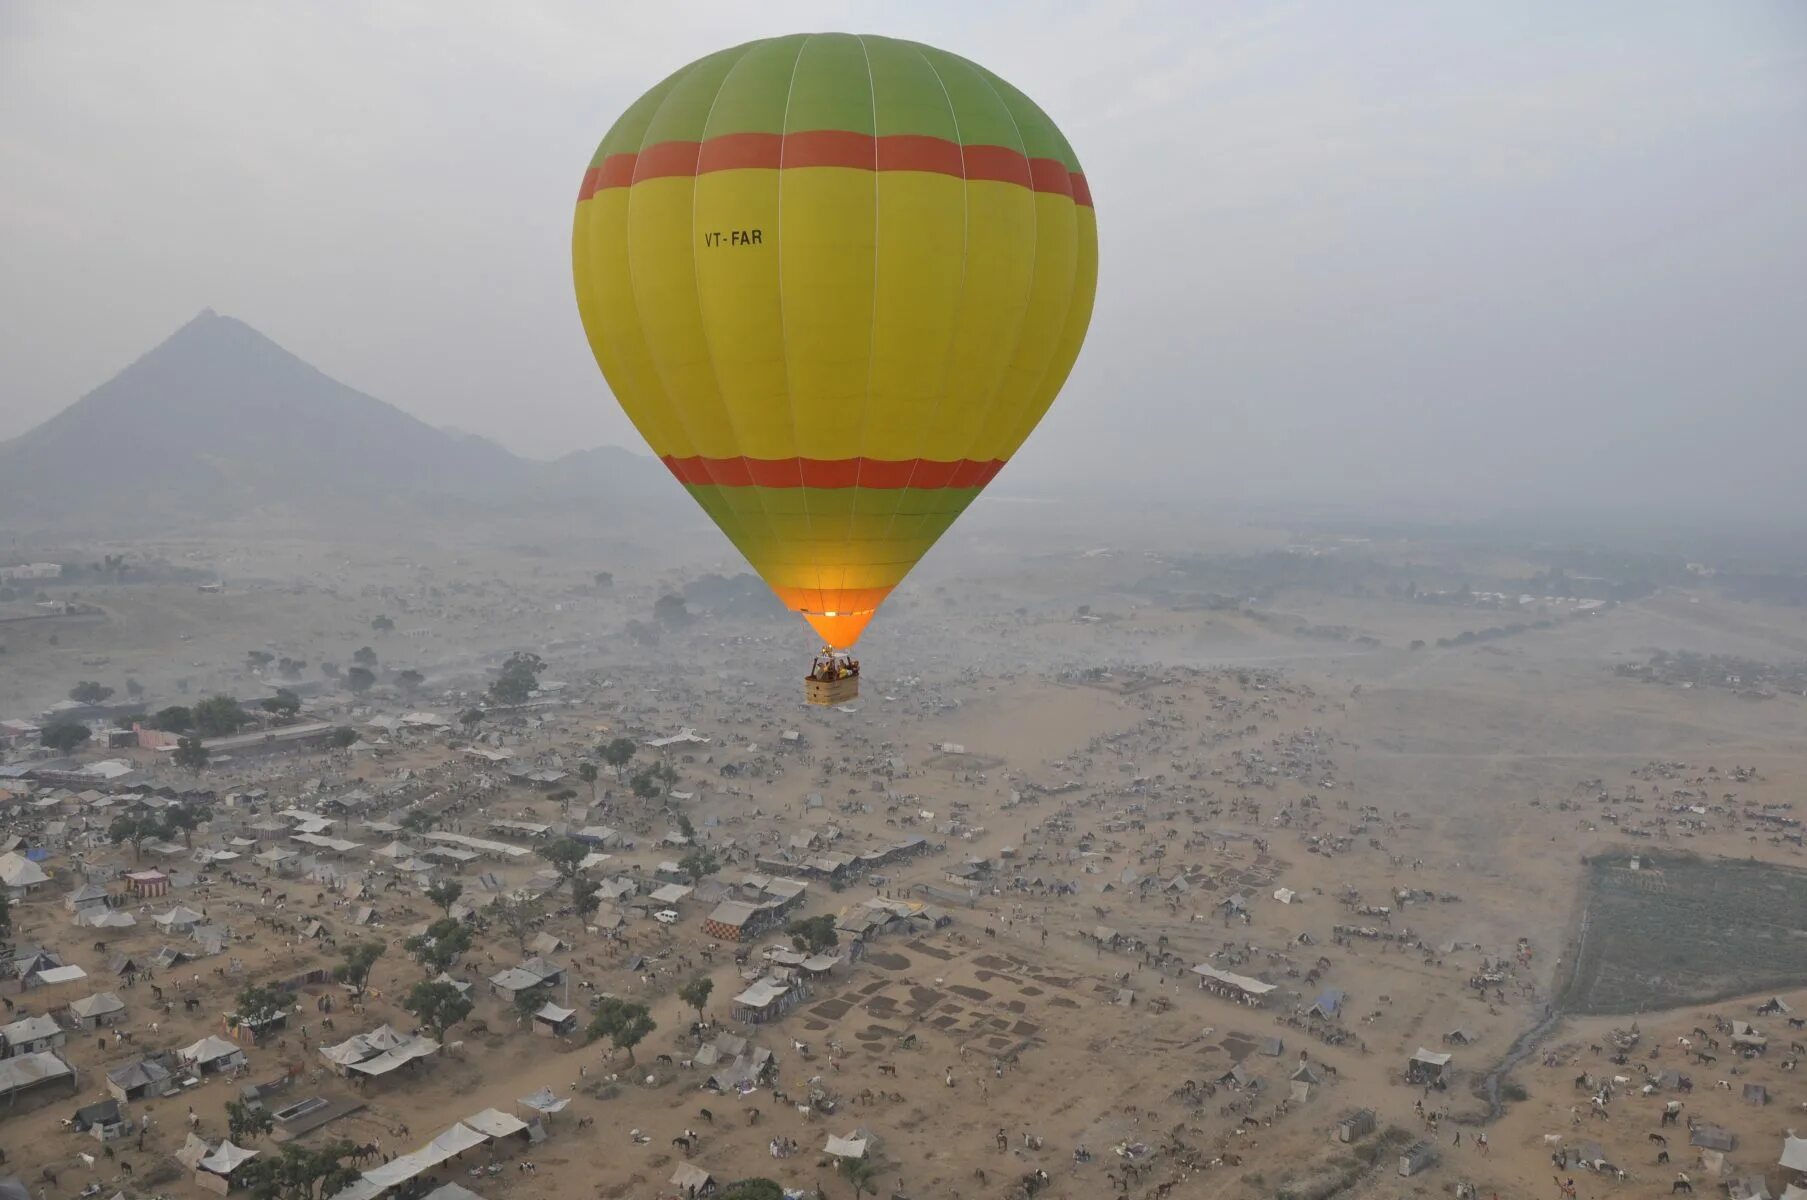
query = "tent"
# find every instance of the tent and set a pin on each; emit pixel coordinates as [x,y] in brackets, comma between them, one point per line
[212,1053]
[854,1145]
[691,1180]
[544,1101]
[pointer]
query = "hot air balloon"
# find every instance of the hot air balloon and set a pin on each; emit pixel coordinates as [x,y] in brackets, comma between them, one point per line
[834,281]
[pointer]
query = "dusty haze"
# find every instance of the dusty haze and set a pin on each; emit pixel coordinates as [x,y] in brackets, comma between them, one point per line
[1497,261]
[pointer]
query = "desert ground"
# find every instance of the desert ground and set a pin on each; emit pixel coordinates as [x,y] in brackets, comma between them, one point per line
[1250,750]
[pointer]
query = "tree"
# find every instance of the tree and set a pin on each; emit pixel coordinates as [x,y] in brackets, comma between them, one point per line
[136,827]
[133,688]
[219,716]
[699,863]
[418,821]
[618,752]
[437,1006]
[290,668]
[696,993]
[585,895]
[756,1188]
[284,704]
[6,915]
[174,719]
[518,679]
[342,737]
[190,754]
[245,1123]
[364,656]
[329,670]
[645,786]
[587,772]
[259,1003]
[860,1172]
[445,893]
[89,692]
[259,659]
[439,947]
[686,826]
[409,681]
[813,934]
[64,736]
[565,856]
[469,718]
[185,818]
[603,579]
[360,679]
[624,1022]
[359,958]
[656,781]
[298,1173]
[526,1003]
[383,624]
[520,916]
[669,610]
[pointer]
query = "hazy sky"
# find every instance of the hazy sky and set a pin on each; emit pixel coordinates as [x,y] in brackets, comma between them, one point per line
[1417,253]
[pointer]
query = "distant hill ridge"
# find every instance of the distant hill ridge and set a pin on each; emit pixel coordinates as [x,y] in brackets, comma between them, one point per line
[220,421]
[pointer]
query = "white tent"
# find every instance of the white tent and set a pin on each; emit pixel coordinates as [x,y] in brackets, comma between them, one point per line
[226,1158]
[1794,1153]
[20,873]
[544,1101]
[854,1145]
[495,1123]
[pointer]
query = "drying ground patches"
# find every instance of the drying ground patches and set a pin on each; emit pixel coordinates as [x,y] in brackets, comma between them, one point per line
[1685,930]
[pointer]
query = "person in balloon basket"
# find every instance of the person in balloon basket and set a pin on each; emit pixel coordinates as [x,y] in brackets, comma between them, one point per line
[830,666]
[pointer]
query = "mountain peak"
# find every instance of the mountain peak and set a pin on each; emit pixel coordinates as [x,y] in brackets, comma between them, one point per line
[218,420]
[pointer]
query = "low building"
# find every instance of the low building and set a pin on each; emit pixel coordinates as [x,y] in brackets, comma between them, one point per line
[738,921]
[145,1079]
[96,1011]
[30,1078]
[31,1035]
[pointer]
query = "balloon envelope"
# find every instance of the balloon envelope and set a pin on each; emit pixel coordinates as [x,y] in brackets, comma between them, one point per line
[834,281]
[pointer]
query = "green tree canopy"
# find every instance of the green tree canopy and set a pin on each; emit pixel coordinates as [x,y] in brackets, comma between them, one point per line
[444,893]
[669,609]
[364,656]
[257,1003]
[565,856]
[185,818]
[342,737]
[383,624]
[296,1172]
[64,736]
[520,917]
[696,993]
[89,692]
[586,895]
[190,754]
[219,716]
[360,679]
[618,752]
[440,946]
[284,704]
[518,679]
[813,935]
[409,681]
[699,863]
[624,1022]
[359,958]
[175,719]
[245,1122]
[136,827]
[437,1006]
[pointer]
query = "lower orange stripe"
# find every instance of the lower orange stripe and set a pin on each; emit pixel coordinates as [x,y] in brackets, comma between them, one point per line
[923,473]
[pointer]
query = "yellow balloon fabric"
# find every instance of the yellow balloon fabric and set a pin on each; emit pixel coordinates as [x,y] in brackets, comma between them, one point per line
[834,281]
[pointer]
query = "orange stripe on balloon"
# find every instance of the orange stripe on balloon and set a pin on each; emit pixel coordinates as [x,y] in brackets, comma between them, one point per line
[923,473]
[836,148]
